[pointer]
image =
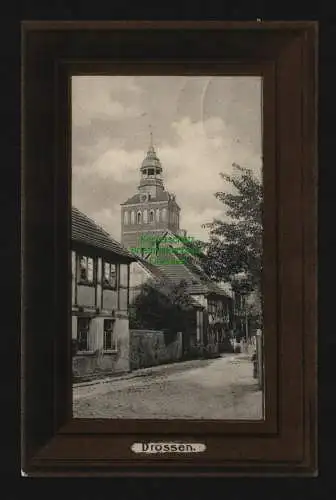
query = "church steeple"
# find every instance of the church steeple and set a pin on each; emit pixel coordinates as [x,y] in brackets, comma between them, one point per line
[152,210]
[151,171]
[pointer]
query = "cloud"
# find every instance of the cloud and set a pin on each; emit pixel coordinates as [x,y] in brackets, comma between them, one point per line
[109,219]
[94,98]
[192,168]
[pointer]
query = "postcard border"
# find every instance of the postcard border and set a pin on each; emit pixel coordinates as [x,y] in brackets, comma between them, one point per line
[286,441]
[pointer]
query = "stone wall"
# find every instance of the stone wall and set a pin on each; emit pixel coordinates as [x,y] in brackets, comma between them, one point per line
[86,365]
[150,348]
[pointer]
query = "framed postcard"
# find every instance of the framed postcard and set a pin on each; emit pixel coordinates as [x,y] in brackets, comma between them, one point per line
[169,308]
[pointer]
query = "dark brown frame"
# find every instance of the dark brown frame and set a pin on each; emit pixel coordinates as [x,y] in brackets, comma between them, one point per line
[285,54]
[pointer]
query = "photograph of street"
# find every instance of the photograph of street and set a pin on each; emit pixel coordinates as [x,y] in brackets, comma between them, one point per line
[166,247]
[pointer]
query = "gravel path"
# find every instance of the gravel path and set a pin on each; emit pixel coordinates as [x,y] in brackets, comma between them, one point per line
[221,388]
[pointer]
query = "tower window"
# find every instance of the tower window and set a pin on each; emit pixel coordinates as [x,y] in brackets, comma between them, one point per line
[126,217]
[145,216]
[151,216]
[150,171]
[139,218]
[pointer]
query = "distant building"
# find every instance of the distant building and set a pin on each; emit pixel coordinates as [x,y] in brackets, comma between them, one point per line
[247,306]
[212,303]
[100,299]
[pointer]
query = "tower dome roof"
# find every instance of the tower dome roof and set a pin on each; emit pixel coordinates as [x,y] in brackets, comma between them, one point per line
[151,159]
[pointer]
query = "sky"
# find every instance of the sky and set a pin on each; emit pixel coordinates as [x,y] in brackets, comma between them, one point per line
[200,125]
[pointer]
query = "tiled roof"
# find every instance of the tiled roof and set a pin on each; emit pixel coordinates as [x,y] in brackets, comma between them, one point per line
[154,270]
[186,268]
[178,272]
[161,278]
[195,285]
[197,281]
[85,230]
[161,196]
[204,280]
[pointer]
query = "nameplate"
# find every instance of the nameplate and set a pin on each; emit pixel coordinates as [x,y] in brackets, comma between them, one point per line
[158,448]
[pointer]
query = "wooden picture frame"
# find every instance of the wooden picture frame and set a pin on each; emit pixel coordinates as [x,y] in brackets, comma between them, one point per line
[285,54]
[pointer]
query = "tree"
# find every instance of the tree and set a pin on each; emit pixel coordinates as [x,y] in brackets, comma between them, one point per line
[162,306]
[234,251]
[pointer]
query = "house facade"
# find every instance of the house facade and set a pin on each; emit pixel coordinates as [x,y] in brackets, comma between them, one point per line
[215,319]
[100,299]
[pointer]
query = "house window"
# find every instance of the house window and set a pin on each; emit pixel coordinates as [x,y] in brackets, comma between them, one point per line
[109,338]
[123,275]
[83,327]
[110,275]
[139,218]
[86,269]
[151,216]
[132,217]
[126,218]
[211,307]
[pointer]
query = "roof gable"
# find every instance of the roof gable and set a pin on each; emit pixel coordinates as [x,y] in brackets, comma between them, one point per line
[134,200]
[84,230]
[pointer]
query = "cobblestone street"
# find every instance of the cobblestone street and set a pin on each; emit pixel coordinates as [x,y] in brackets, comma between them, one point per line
[221,388]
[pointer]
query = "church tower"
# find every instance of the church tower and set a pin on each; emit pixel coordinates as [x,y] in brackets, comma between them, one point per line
[152,210]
